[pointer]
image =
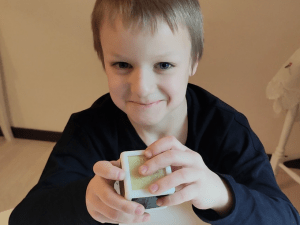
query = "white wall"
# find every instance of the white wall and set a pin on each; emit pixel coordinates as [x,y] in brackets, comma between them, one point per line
[52,71]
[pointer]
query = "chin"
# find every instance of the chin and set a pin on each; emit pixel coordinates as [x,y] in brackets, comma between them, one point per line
[146,120]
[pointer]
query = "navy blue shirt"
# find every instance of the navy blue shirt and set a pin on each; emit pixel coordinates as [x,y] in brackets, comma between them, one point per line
[219,133]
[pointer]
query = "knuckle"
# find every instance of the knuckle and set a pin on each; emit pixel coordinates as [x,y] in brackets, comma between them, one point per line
[172,138]
[183,174]
[196,154]
[198,157]
[126,209]
[98,217]
[172,155]
[156,161]
[107,196]
[114,215]
[183,195]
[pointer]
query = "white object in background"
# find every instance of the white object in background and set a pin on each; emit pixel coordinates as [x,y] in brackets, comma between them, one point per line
[5,126]
[284,88]
[4,216]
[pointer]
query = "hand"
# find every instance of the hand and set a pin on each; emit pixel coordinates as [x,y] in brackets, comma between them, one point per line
[104,204]
[192,179]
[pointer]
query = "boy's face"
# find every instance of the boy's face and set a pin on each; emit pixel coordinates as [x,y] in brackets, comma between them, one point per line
[143,76]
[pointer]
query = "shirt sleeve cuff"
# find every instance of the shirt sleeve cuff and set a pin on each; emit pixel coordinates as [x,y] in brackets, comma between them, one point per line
[211,216]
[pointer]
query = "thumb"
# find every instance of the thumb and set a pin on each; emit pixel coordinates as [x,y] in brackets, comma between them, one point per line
[116,163]
[109,170]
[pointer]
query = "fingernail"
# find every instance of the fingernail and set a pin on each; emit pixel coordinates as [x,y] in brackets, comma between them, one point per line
[159,202]
[154,187]
[144,169]
[139,210]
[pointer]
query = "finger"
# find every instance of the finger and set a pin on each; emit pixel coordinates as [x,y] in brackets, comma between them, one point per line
[116,163]
[164,144]
[109,215]
[112,199]
[186,194]
[174,158]
[107,170]
[179,177]
[103,219]
[96,206]
[180,187]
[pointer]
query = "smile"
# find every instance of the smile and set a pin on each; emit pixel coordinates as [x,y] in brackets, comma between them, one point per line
[148,105]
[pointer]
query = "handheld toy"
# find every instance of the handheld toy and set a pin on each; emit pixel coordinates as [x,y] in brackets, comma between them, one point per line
[135,186]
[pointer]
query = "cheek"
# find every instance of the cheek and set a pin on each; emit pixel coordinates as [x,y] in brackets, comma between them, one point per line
[176,88]
[116,87]
[117,93]
[177,95]
[113,82]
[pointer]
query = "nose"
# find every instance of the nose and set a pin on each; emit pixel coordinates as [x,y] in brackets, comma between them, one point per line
[142,83]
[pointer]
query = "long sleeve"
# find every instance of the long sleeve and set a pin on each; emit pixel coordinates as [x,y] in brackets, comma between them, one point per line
[243,163]
[59,196]
[218,133]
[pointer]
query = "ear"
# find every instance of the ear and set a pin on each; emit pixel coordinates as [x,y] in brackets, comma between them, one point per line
[195,68]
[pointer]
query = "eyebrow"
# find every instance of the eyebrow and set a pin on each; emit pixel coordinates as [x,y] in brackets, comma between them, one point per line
[161,55]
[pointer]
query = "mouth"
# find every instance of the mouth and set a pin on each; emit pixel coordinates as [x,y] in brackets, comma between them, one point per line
[143,105]
[146,103]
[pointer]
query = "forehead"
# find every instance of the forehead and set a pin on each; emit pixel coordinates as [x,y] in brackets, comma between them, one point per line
[119,35]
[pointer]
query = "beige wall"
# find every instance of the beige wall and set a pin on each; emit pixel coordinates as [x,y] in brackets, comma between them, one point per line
[52,71]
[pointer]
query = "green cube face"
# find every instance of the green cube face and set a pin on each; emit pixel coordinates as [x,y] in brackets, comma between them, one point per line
[139,181]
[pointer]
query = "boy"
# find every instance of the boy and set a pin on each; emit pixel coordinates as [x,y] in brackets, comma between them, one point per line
[218,163]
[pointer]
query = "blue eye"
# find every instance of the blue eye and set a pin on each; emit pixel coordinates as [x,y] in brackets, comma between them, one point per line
[165,63]
[123,65]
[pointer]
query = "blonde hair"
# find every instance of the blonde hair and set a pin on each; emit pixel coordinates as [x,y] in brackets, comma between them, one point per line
[143,13]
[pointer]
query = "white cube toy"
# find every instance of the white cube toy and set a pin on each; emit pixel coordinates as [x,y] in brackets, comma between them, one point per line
[135,186]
